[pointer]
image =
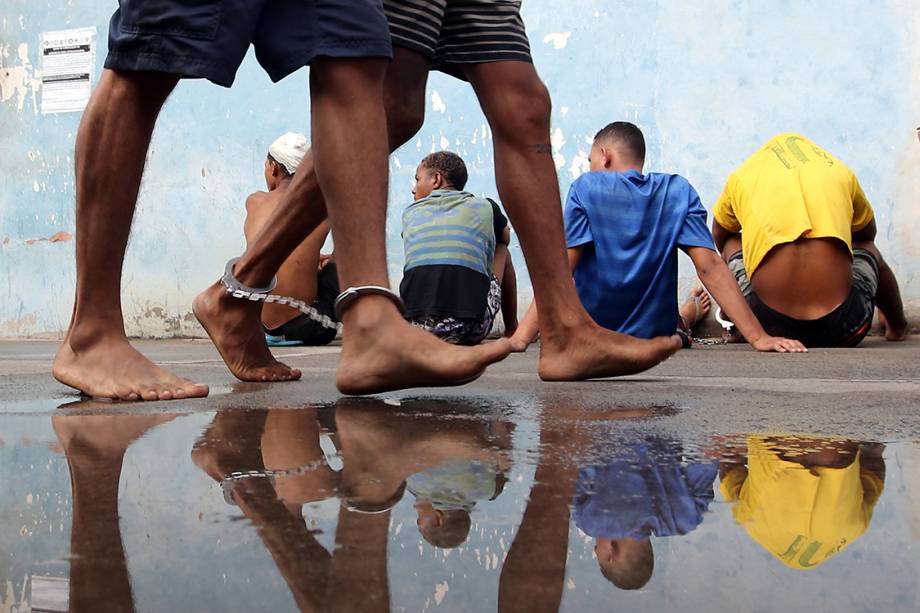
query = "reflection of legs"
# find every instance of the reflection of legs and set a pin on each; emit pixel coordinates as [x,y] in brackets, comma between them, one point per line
[95,447]
[111,148]
[299,212]
[517,106]
[358,576]
[380,349]
[888,296]
[233,443]
[302,561]
[534,572]
[291,440]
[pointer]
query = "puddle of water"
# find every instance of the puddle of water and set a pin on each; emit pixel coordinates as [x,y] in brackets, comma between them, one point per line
[417,504]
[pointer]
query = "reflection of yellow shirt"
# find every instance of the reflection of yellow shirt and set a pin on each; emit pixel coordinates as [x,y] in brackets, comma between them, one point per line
[801,516]
[789,189]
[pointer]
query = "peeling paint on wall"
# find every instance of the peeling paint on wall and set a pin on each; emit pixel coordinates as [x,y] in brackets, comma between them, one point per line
[437,103]
[558,40]
[18,79]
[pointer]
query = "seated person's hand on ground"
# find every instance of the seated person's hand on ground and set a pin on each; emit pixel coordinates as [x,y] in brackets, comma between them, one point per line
[778,344]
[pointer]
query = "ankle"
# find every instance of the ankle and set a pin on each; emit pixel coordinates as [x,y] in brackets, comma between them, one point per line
[369,313]
[86,336]
[252,273]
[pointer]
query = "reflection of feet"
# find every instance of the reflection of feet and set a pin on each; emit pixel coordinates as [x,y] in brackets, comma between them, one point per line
[895,333]
[382,352]
[109,367]
[381,449]
[101,436]
[235,327]
[231,443]
[696,308]
[592,352]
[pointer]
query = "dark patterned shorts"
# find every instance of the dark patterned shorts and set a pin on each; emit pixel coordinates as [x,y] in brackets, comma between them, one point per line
[465,331]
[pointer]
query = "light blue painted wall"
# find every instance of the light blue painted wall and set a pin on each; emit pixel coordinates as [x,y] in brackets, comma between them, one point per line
[708,81]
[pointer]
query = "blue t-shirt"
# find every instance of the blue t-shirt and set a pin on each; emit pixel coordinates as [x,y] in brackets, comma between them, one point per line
[650,491]
[631,226]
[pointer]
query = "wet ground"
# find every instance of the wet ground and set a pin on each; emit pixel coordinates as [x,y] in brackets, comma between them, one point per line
[722,480]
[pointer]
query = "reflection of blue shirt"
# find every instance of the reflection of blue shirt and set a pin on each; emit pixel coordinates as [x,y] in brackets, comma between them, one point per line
[648,492]
[631,226]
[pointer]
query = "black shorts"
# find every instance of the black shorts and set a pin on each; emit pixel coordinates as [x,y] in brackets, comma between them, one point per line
[455,32]
[845,326]
[209,38]
[304,330]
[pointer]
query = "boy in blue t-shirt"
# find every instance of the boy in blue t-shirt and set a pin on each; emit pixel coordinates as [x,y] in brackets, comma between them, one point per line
[650,488]
[623,230]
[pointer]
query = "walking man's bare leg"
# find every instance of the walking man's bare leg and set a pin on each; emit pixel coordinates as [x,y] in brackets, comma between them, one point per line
[573,347]
[300,211]
[381,351]
[96,357]
[400,355]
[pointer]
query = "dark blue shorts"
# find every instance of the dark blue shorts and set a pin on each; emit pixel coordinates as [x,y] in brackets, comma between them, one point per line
[208,39]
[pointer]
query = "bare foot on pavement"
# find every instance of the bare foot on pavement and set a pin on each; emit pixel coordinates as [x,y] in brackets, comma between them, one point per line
[235,328]
[696,307]
[107,366]
[589,351]
[382,352]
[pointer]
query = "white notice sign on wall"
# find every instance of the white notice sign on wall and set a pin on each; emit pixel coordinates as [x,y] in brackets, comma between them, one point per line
[68,62]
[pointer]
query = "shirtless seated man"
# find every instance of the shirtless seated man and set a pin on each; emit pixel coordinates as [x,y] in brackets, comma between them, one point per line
[305,275]
[798,233]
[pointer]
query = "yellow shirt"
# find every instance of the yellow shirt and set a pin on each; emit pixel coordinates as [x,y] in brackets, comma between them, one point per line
[801,516]
[790,189]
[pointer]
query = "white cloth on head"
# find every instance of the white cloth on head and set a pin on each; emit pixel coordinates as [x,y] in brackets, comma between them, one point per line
[289,150]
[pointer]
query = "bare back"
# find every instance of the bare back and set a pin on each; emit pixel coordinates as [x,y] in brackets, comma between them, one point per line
[805,279]
[297,276]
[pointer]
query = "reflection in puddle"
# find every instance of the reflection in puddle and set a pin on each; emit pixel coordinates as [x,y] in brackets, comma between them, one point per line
[647,489]
[422,503]
[803,499]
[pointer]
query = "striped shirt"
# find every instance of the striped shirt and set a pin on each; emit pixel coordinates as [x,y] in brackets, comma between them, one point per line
[449,240]
[449,228]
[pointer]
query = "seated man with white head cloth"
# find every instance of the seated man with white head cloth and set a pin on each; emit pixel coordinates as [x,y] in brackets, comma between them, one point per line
[305,275]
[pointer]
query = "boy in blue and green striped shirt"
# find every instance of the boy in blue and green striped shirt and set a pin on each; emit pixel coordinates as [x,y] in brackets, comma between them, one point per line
[450,238]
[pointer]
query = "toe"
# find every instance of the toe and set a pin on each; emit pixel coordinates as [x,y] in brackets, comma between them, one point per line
[493,352]
[125,393]
[196,390]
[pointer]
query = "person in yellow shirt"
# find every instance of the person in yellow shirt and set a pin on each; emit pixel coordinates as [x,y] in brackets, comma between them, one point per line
[803,499]
[798,233]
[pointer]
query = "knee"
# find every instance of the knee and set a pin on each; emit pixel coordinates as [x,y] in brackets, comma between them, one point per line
[522,114]
[873,249]
[405,115]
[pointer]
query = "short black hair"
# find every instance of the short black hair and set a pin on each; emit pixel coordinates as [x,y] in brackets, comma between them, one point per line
[450,165]
[453,532]
[625,134]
